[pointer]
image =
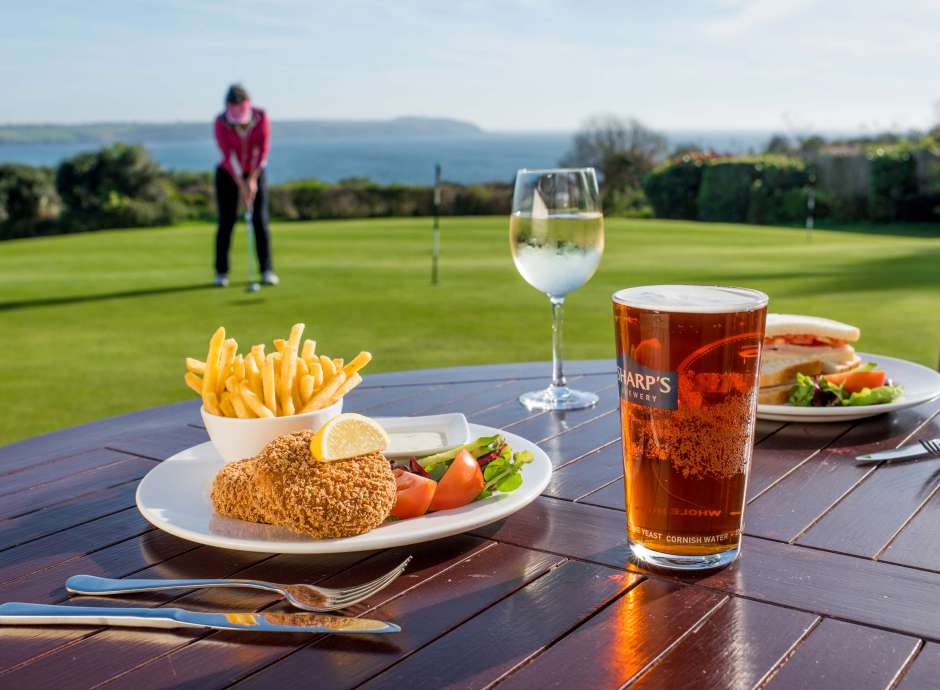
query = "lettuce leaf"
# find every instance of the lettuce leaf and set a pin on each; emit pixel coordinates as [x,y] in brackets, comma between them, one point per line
[803,390]
[874,396]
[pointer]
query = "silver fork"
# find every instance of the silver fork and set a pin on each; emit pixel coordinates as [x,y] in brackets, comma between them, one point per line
[306,597]
[932,446]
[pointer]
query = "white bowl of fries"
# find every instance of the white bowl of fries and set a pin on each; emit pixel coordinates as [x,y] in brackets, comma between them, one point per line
[251,399]
[236,438]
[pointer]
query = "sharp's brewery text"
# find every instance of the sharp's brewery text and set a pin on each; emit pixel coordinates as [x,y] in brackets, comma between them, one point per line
[645,386]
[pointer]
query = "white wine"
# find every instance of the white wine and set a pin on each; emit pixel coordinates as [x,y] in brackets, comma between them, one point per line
[556,253]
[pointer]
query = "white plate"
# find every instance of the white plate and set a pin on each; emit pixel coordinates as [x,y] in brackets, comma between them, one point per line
[920,385]
[438,432]
[174,496]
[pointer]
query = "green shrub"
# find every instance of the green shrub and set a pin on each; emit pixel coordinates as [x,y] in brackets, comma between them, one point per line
[29,204]
[118,186]
[361,198]
[892,192]
[778,193]
[194,193]
[725,191]
[672,188]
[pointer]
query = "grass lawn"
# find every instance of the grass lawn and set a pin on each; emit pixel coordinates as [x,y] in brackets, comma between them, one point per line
[97,324]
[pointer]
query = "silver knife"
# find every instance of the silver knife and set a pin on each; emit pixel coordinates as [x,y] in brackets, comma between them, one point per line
[917,450]
[19,613]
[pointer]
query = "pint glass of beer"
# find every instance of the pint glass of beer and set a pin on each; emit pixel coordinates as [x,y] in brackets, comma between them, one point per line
[688,360]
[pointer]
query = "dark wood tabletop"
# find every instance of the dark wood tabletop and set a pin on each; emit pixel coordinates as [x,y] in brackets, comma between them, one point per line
[838,584]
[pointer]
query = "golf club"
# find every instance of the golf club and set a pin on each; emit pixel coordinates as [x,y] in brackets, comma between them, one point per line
[253,285]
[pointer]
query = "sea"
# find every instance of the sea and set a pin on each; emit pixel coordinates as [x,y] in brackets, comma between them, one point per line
[466,159]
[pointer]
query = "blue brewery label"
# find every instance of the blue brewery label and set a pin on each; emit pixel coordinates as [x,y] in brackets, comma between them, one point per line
[645,386]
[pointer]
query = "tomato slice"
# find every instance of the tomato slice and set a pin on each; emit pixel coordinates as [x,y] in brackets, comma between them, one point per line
[461,483]
[854,381]
[414,494]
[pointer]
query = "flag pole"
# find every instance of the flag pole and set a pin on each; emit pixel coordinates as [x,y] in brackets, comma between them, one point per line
[436,232]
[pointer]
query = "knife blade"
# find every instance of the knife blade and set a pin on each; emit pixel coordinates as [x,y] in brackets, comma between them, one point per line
[23,613]
[916,450]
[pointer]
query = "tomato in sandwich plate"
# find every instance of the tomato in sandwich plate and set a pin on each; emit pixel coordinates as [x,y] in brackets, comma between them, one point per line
[414,496]
[855,381]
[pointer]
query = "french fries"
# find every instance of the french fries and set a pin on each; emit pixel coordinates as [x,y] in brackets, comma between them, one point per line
[292,379]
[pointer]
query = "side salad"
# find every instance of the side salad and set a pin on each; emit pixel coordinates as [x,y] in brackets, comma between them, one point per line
[863,385]
[456,477]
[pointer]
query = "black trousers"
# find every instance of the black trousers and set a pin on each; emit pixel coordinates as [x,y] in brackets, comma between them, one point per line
[226,198]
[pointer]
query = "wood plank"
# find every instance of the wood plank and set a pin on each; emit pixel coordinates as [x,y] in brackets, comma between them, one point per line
[782,451]
[69,544]
[512,412]
[221,658]
[53,446]
[435,399]
[842,655]
[541,371]
[735,648]
[792,505]
[855,589]
[864,522]
[550,424]
[918,543]
[65,515]
[96,654]
[618,643]
[610,496]
[159,444]
[424,613]
[587,473]
[502,637]
[574,443]
[64,466]
[73,487]
[570,529]
[924,671]
[48,587]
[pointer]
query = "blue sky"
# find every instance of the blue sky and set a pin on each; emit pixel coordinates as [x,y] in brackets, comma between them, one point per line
[788,65]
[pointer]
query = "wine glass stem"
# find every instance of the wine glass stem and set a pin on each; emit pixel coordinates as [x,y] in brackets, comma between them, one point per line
[558,321]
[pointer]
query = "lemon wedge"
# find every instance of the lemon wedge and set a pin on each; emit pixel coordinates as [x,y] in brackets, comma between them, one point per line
[346,436]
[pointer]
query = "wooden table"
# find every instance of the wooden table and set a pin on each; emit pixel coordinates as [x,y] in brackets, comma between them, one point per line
[838,584]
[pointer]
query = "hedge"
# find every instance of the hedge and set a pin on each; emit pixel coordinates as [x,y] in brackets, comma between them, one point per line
[746,189]
[672,189]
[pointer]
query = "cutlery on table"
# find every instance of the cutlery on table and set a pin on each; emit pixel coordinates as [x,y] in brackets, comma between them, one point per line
[306,597]
[20,613]
[921,449]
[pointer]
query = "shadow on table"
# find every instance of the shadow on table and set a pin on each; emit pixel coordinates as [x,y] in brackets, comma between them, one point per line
[13,305]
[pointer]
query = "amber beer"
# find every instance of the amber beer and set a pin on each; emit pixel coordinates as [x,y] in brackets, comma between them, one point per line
[687,361]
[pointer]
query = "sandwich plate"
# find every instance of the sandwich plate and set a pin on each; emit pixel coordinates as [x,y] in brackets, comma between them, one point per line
[174,497]
[920,385]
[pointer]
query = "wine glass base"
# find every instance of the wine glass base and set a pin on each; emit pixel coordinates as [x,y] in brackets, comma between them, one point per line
[557,398]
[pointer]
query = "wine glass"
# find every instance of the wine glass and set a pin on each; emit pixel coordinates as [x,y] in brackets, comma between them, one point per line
[556,234]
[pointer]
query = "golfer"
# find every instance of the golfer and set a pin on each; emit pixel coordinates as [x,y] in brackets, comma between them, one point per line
[243,134]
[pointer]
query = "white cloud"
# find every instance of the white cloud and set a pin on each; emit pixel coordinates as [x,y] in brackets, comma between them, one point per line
[747,15]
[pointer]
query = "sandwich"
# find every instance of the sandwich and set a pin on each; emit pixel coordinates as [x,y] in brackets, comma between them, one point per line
[810,345]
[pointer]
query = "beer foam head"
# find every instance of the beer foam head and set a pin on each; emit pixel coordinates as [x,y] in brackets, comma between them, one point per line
[695,299]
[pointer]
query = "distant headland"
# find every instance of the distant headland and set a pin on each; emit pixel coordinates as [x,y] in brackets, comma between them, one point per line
[107,132]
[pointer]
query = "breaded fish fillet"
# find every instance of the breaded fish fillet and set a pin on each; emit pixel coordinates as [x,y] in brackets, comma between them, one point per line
[285,486]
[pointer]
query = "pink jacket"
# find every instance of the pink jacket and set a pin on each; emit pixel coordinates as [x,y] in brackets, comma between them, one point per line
[244,152]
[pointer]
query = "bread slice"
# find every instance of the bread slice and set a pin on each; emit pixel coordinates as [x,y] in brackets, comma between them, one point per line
[777,370]
[797,324]
[774,395]
[837,367]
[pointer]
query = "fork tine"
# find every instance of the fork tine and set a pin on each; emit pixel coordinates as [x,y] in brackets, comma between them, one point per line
[931,446]
[365,585]
[348,597]
[368,589]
